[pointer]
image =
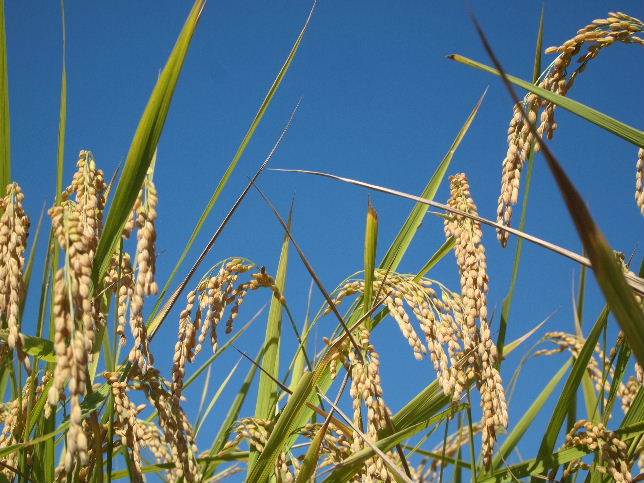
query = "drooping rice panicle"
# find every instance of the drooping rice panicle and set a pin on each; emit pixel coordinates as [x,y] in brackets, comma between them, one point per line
[144,283]
[14,229]
[126,413]
[214,294]
[366,387]
[77,225]
[598,35]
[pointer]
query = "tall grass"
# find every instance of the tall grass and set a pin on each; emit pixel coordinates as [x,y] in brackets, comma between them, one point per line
[84,399]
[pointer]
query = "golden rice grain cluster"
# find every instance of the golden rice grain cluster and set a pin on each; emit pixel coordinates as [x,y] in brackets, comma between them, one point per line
[77,223]
[145,215]
[599,368]
[594,437]
[14,229]
[461,351]
[366,388]
[217,291]
[478,345]
[14,416]
[559,77]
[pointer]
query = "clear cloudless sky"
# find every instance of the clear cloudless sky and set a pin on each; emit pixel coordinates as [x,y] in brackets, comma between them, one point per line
[380,103]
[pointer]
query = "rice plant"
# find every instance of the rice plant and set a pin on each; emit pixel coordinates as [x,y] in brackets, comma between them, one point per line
[84,398]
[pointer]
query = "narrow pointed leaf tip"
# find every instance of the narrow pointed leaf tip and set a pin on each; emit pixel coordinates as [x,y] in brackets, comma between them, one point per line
[144,144]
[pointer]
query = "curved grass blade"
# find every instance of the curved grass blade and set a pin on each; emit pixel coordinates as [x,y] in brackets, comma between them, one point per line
[267,388]
[407,232]
[370,246]
[238,154]
[5,119]
[146,139]
[35,346]
[624,131]
[62,116]
[444,249]
[309,464]
[267,392]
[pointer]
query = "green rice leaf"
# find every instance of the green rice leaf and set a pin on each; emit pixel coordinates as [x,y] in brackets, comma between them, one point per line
[62,116]
[629,133]
[144,145]
[35,346]
[310,461]
[608,271]
[370,246]
[5,132]
[267,391]
[238,154]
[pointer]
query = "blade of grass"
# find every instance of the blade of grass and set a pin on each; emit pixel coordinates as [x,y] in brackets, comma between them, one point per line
[62,115]
[299,362]
[238,154]
[407,232]
[267,388]
[444,249]
[30,261]
[143,145]
[282,432]
[600,119]
[310,462]
[471,438]
[5,131]
[608,272]
[370,246]
[635,282]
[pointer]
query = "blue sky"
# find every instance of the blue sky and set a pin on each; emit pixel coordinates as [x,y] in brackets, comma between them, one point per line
[380,103]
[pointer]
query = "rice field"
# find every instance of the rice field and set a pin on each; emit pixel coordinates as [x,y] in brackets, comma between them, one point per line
[85,399]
